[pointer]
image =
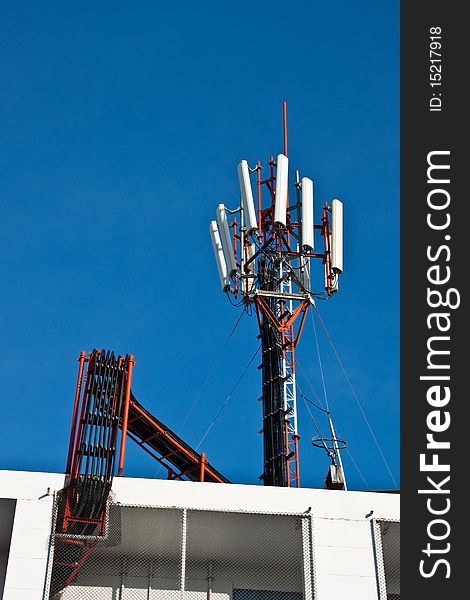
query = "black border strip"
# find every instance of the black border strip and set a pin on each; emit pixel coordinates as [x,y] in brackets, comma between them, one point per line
[425,131]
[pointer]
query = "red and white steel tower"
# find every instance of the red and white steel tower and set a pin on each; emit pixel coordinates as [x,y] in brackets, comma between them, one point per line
[263,258]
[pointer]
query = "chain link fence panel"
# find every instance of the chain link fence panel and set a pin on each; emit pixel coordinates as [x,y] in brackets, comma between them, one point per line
[387,547]
[180,554]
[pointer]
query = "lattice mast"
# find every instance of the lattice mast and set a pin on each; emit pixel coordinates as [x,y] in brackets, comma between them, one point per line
[263,258]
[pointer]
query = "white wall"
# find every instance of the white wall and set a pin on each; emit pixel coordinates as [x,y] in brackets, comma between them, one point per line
[344,559]
[216,496]
[27,561]
[343,548]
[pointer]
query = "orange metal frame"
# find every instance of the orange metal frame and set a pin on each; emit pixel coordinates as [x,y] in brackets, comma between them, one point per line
[71,513]
[191,457]
[125,418]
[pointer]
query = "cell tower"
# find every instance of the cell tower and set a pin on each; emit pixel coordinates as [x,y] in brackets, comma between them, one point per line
[263,258]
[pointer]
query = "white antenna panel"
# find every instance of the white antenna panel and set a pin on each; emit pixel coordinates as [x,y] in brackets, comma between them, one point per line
[219,256]
[308,242]
[282,178]
[226,240]
[337,236]
[246,192]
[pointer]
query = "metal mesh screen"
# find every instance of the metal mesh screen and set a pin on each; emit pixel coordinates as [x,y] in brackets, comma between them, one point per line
[259,595]
[175,554]
[387,538]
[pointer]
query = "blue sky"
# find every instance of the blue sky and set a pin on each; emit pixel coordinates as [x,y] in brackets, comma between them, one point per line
[122,125]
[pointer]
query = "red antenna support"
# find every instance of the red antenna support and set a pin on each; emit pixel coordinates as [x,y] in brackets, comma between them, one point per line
[284,118]
[125,418]
[202,467]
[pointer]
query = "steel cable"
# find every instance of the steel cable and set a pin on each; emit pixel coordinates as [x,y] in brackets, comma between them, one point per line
[226,401]
[212,368]
[353,391]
